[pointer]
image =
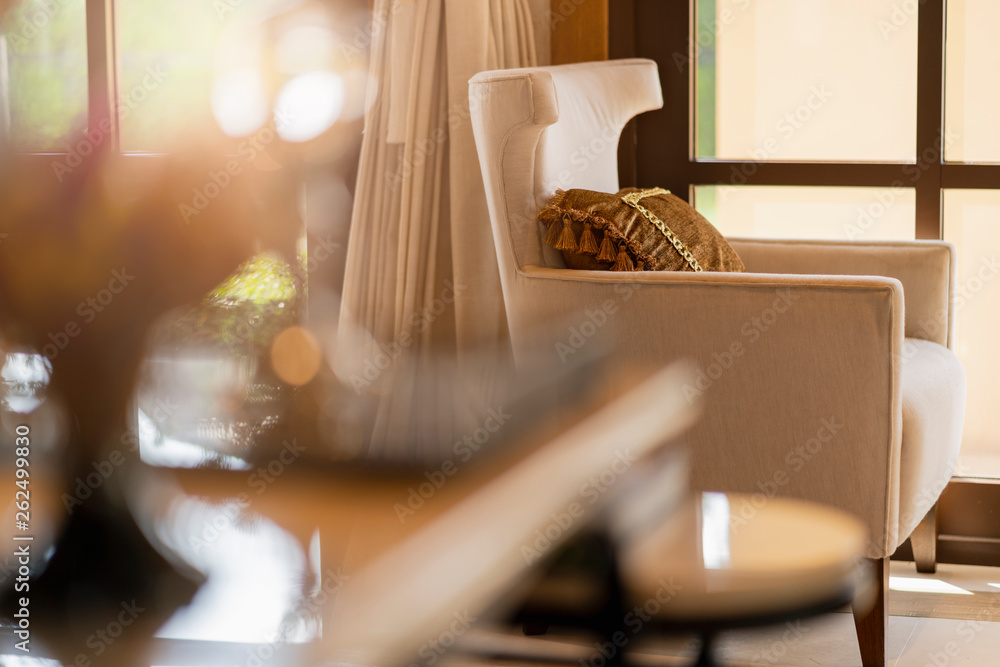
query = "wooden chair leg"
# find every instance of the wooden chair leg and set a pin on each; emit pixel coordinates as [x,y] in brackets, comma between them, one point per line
[924,542]
[871,623]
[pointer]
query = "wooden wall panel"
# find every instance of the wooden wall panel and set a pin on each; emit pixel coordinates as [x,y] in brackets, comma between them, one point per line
[579,30]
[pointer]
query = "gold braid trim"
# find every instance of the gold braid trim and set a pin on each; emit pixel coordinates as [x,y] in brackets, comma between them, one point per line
[633,199]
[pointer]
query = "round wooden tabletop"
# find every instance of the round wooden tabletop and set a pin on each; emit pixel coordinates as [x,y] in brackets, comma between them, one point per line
[732,558]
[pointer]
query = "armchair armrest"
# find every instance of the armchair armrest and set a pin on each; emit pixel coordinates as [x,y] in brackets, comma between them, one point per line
[799,373]
[925,268]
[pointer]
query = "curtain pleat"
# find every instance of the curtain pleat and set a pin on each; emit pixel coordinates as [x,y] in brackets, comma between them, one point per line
[420,230]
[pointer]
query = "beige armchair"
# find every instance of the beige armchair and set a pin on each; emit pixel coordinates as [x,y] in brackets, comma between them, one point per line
[821,379]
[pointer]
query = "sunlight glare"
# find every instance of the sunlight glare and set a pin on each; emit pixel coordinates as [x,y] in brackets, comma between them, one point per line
[304,48]
[715,531]
[239,102]
[915,585]
[311,104]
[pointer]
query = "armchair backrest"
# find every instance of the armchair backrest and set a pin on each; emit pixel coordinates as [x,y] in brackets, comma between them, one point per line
[541,129]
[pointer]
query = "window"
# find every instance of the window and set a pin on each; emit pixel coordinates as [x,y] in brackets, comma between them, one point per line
[972,61]
[141,79]
[972,213]
[156,76]
[842,119]
[171,56]
[788,80]
[43,75]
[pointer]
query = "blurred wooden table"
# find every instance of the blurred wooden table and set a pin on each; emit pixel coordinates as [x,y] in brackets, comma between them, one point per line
[721,561]
[476,541]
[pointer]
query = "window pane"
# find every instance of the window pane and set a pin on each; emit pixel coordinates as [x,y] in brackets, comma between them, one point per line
[972,133]
[809,212]
[43,75]
[794,80]
[972,223]
[168,66]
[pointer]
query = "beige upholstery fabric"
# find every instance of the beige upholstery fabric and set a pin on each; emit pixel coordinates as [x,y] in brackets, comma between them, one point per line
[925,268]
[556,157]
[801,359]
[933,383]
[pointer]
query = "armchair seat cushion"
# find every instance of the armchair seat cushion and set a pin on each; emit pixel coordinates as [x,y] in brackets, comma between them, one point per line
[933,388]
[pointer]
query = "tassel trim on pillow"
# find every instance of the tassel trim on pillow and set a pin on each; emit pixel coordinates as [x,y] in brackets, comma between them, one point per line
[607,253]
[588,244]
[623,262]
[552,235]
[613,242]
[567,239]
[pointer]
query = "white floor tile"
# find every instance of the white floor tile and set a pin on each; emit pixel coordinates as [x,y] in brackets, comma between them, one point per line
[941,642]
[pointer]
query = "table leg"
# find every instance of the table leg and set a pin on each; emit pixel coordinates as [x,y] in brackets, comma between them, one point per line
[706,655]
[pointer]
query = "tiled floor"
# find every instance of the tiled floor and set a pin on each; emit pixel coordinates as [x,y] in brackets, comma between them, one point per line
[967,596]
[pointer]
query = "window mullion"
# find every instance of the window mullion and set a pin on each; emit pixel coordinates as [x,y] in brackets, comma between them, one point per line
[930,117]
[663,155]
[834,174]
[102,72]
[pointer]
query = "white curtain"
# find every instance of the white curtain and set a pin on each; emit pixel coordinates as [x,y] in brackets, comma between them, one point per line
[421,274]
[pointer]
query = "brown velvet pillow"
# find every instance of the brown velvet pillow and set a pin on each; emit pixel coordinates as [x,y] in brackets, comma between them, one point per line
[634,230]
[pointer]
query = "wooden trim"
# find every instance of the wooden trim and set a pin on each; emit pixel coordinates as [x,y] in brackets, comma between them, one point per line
[969,508]
[101,71]
[968,515]
[621,31]
[930,116]
[954,549]
[843,174]
[579,30]
[663,153]
[977,176]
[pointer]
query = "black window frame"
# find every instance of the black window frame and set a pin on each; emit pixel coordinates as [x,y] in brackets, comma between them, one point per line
[662,143]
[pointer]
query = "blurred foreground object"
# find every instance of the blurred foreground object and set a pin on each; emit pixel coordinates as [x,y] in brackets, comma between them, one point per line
[476,551]
[89,265]
[719,562]
[363,506]
[207,381]
[294,75]
[86,267]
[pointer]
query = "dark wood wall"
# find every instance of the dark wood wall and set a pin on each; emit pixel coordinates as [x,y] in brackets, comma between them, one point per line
[579,30]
